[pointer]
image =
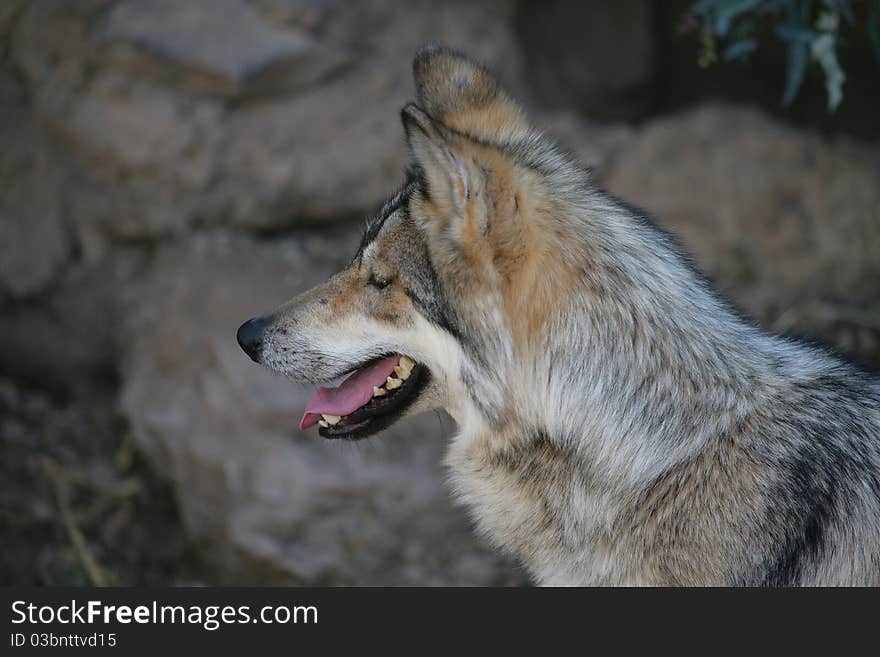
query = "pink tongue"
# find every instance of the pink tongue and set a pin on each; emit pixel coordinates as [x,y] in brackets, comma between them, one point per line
[353,393]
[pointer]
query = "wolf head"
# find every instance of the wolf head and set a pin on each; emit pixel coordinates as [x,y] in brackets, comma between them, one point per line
[455,276]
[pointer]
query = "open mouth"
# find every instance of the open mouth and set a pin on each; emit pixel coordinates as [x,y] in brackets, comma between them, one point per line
[371,399]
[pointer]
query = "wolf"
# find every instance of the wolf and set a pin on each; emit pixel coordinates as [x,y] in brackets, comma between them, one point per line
[619,423]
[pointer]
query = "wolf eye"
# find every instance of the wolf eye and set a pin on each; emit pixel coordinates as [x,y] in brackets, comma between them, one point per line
[378,283]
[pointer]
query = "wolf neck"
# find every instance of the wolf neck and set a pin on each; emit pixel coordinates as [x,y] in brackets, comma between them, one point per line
[633,370]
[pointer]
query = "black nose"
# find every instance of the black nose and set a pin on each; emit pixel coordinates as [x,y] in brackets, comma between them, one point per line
[250,337]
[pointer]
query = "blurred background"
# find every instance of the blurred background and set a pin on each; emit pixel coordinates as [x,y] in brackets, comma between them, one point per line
[170,168]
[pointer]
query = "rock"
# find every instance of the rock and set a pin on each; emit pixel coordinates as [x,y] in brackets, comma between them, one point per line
[308,14]
[336,151]
[130,92]
[138,127]
[262,495]
[777,217]
[340,166]
[34,244]
[67,338]
[8,12]
[220,46]
[593,57]
[11,90]
[51,47]
[384,38]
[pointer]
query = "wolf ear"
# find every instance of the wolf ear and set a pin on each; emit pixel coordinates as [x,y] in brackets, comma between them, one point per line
[445,174]
[460,94]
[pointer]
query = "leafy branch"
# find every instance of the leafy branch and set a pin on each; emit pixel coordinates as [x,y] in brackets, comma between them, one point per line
[731,30]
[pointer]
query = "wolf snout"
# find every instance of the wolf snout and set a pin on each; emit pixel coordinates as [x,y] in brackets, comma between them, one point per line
[250,337]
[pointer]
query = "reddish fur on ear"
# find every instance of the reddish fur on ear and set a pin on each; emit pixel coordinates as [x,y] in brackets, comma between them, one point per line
[484,220]
[464,96]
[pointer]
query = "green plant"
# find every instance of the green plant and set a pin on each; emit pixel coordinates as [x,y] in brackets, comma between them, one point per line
[732,29]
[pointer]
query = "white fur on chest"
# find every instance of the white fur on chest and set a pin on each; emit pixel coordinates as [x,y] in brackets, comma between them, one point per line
[556,527]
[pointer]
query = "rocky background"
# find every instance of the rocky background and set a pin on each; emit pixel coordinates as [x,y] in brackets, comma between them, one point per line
[169,168]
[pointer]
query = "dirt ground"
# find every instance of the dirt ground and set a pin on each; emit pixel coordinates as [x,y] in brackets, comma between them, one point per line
[79,505]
